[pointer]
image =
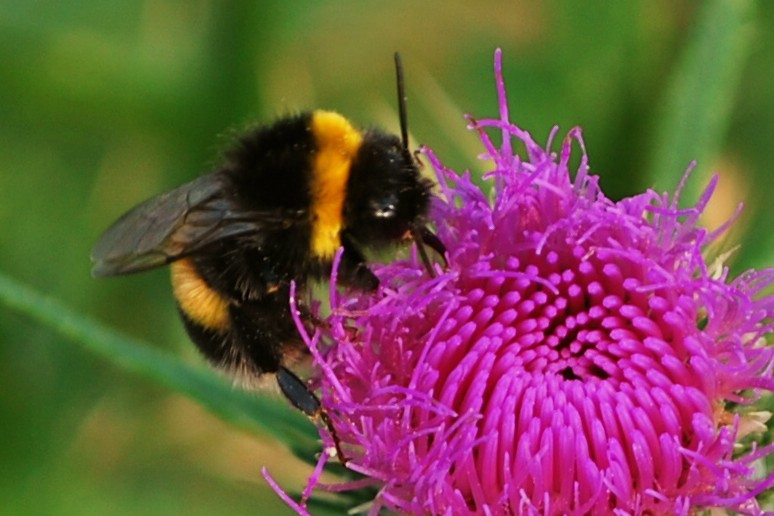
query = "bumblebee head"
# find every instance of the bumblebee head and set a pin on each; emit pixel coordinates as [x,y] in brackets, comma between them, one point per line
[386,196]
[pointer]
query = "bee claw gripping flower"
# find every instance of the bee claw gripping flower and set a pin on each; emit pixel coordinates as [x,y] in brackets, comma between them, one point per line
[578,356]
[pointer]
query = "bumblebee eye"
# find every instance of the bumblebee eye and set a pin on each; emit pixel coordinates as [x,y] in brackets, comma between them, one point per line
[385,208]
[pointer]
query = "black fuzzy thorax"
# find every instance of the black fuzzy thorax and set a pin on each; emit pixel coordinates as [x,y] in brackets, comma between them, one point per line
[269,171]
[270,167]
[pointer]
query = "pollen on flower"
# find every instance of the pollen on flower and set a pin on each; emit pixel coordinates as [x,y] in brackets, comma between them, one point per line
[578,356]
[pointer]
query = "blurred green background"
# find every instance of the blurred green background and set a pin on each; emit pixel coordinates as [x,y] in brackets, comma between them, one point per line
[103,104]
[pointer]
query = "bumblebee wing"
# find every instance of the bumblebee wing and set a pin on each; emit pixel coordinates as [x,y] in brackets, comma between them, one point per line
[178,223]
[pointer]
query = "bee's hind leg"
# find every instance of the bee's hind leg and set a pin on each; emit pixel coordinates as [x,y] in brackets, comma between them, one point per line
[299,395]
[296,391]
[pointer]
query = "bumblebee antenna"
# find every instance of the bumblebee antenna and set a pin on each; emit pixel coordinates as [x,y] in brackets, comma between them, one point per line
[402,107]
[421,235]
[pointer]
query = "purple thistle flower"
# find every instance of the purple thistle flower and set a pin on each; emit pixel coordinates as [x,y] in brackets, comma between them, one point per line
[578,356]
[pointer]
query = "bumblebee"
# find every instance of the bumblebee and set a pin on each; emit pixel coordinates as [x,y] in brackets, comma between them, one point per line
[286,198]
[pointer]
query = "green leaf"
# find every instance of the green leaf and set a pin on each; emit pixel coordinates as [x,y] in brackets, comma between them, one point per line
[696,111]
[241,409]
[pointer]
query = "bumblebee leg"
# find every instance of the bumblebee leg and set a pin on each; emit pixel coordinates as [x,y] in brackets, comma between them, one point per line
[433,242]
[353,270]
[424,237]
[299,395]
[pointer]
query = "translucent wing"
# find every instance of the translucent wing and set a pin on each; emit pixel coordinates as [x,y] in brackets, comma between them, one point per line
[178,223]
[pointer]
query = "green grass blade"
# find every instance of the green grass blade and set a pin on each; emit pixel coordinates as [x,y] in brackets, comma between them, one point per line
[241,409]
[696,110]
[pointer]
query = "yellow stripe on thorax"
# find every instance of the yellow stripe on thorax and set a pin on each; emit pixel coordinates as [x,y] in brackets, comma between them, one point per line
[337,143]
[197,300]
